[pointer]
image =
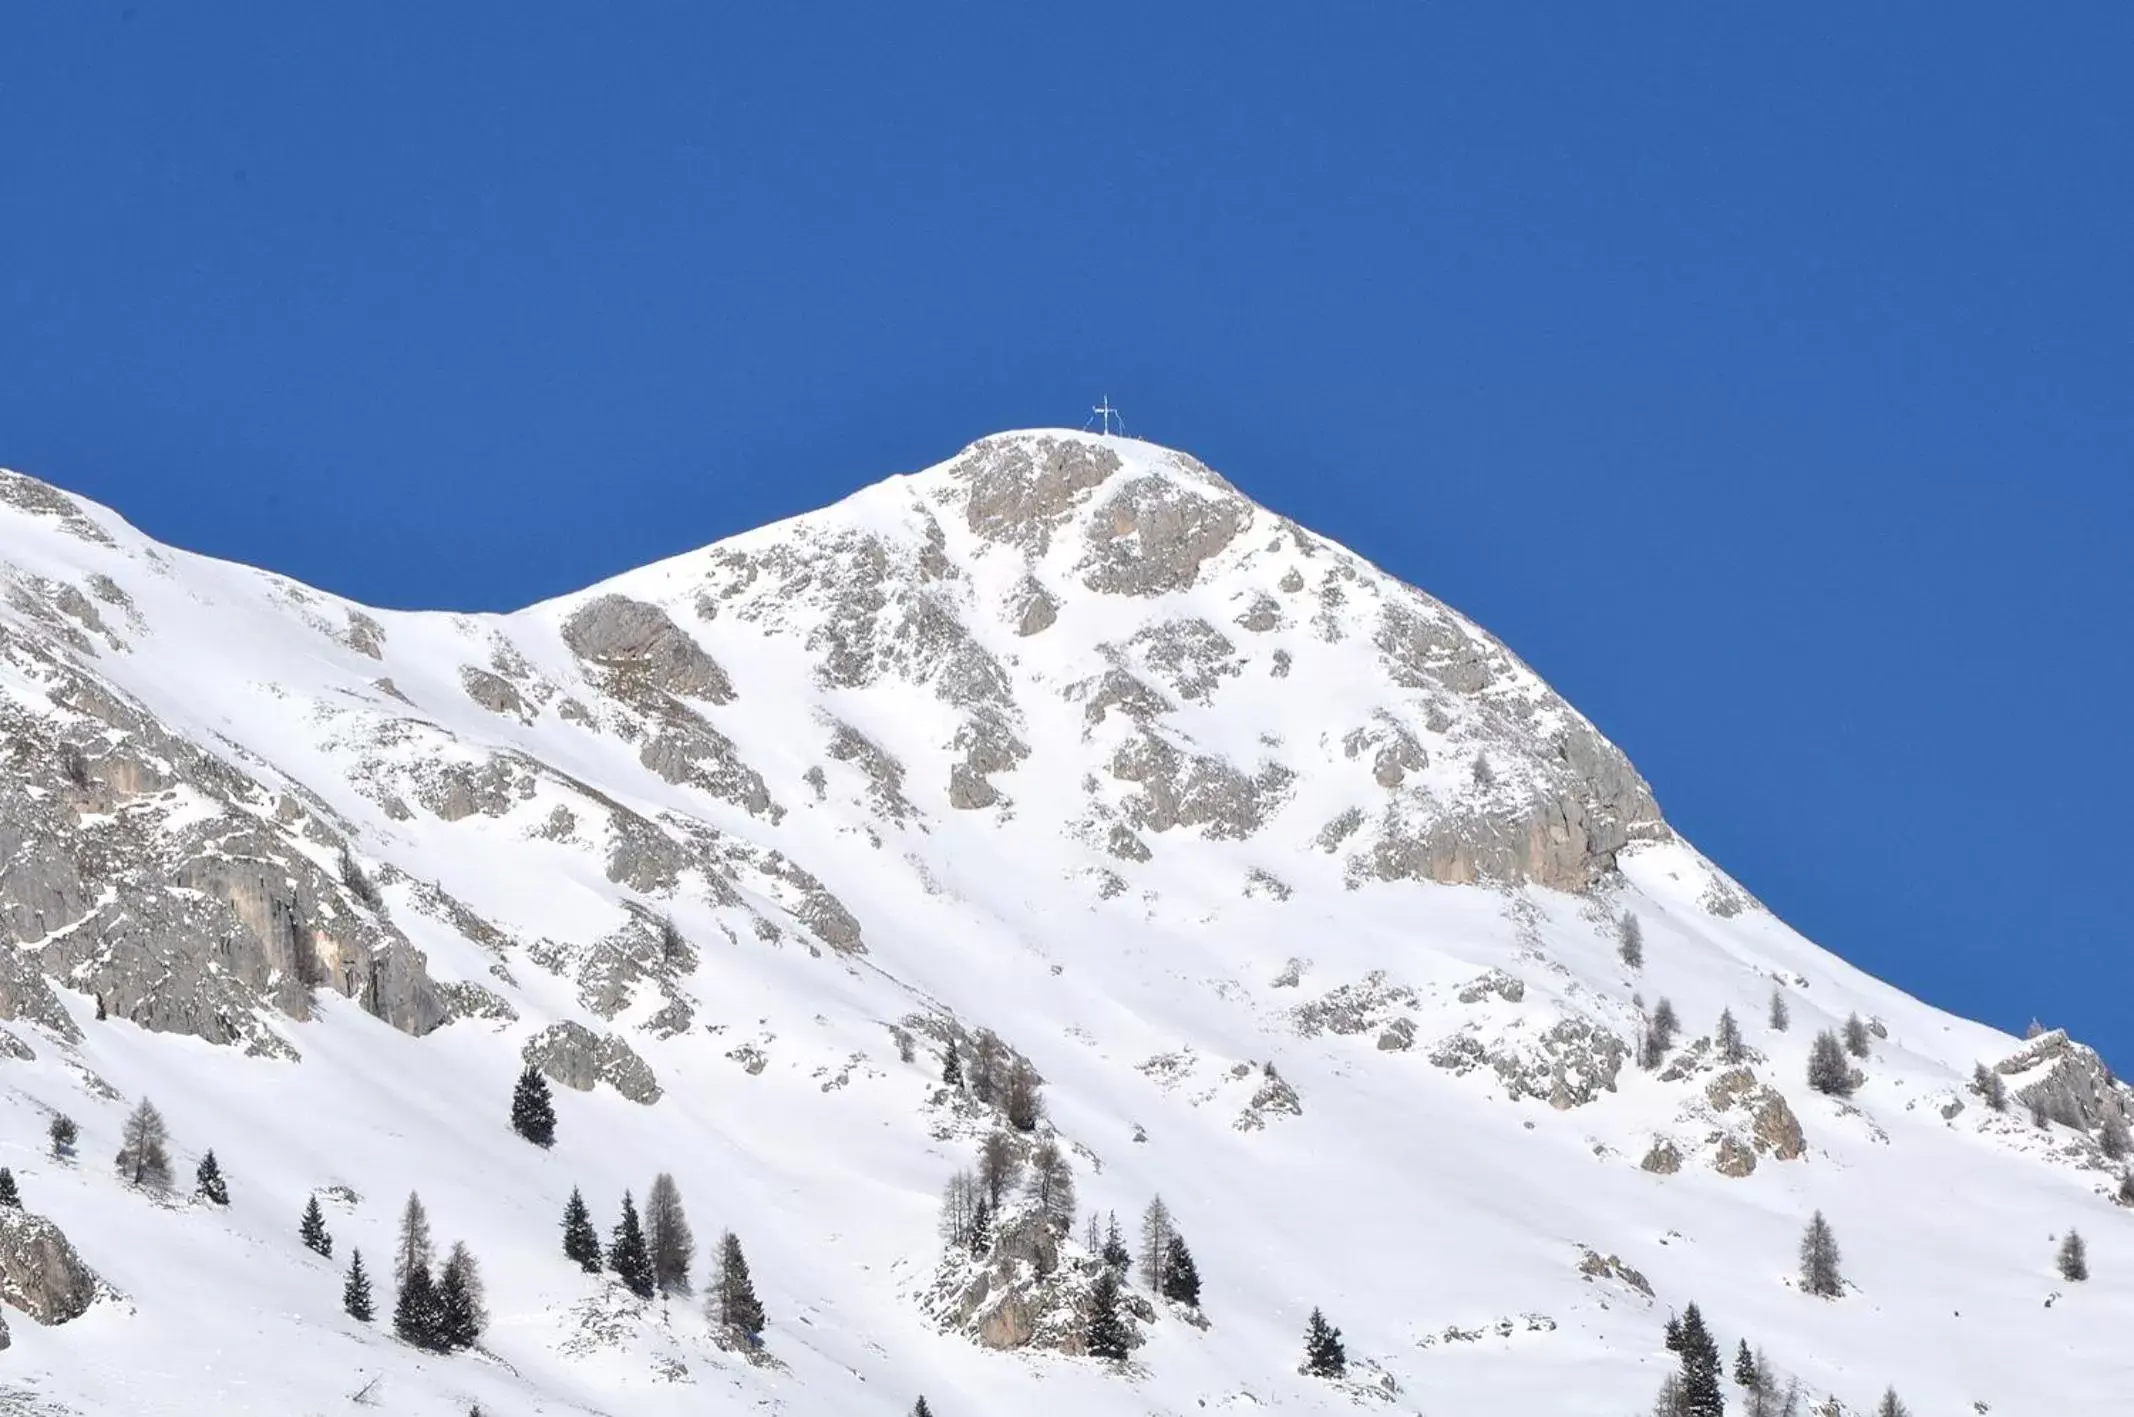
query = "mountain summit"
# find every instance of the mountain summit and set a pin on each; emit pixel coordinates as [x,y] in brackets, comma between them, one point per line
[914,886]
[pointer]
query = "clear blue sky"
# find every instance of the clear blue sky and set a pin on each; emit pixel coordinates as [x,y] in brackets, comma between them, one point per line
[1765,378]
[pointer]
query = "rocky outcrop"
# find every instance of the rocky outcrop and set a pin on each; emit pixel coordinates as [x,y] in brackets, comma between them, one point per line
[578,1058]
[1153,535]
[640,646]
[1567,1065]
[1665,1158]
[1021,490]
[494,692]
[2065,1080]
[1773,1128]
[40,1273]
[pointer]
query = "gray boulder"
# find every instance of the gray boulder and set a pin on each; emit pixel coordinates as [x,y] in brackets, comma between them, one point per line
[40,1273]
[578,1058]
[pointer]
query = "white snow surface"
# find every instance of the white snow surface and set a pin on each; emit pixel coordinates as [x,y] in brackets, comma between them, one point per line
[1437,1220]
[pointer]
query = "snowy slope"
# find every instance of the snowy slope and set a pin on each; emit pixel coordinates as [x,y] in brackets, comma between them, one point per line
[1064,738]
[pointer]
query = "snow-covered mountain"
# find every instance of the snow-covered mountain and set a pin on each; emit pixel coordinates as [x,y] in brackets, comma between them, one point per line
[1302,895]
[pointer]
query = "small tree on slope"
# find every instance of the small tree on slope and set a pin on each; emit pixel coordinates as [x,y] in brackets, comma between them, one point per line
[460,1317]
[581,1243]
[208,1182]
[355,1293]
[412,1252]
[1632,937]
[1781,1018]
[9,1195]
[143,1158]
[1828,1072]
[1324,1356]
[1988,1085]
[416,1311]
[733,1298]
[1181,1277]
[1702,1392]
[1819,1260]
[1856,1040]
[1156,1232]
[64,1134]
[2074,1258]
[1107,1331]
[533,1108]
[1731,1048]
[312,1229]
[1891,1405]
[667,1236]
[627,1254]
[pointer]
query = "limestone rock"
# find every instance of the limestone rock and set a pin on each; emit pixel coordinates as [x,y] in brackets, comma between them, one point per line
[578,1058]
[494,692]
[40,1273]
[1734,1157]
[639,641]
[1664,1159]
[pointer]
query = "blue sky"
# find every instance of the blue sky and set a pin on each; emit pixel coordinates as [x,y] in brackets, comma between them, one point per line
[1762,377]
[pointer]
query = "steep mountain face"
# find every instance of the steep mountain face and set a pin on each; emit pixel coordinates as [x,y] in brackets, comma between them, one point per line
[1301,894]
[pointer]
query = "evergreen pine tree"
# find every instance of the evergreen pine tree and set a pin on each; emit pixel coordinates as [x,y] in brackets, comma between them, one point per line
[733,1298]
[9,1196]
[1745,1372]
[1702,1392]
[312,1229]
[1671,1336]
[533,1108]
[1324,1357]
[355,1294]
[1856,1042]
[667,1236]
[415,1311]
[1781,1018]
[581,1243]
[2074,1258]
[1828,1072]
[1107,1331]
[920,1409]
[952,1074]
[64,1134]
[460,1319]
[627,1253]
[1892,1405]
[1115,1252]
[1181,1277]
[981,1228]
[207,1180]
[143,1159]
[1819,1260]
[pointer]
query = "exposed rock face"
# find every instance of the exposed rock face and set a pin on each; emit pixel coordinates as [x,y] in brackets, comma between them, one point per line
[1772,1126]
[1021,490]
[493,692]
[640,642]
[578,1058]
[1665,1158]
[1734,1157]
[1568,1065]
[2066,1080]
[40,1273]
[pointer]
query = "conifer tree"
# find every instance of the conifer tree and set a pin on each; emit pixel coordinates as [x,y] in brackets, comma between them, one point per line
[1702,1392]
[1891,1405]
[2126,1188]
[312,1229]
[1156,1232]
[581,1242]
[1632,946]
[987,1071]
[627,1253]
[1745,1373]
[952,1074]
[1781,1018]
[1107,1331]
[64,1134]
[1115,1252]
[2074,1259]
[1671,1336]
[9,1196]
[1324,1357]
[355,1294]
[920,1409]
[143,1159]
[1731,1048]
[998,1164]
[533,1108]
[981,1228]
[413,1251]
[667,1236]
[1828,1072]
[415,1311]
[460,1317]
[1181,1277]
[2112,1136]
[1022,1102]
[1856,1042]
[733,1298]
[208,1182]
[1819,1260]
[1668,1402]
[1051,1185]
[1988,1085]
